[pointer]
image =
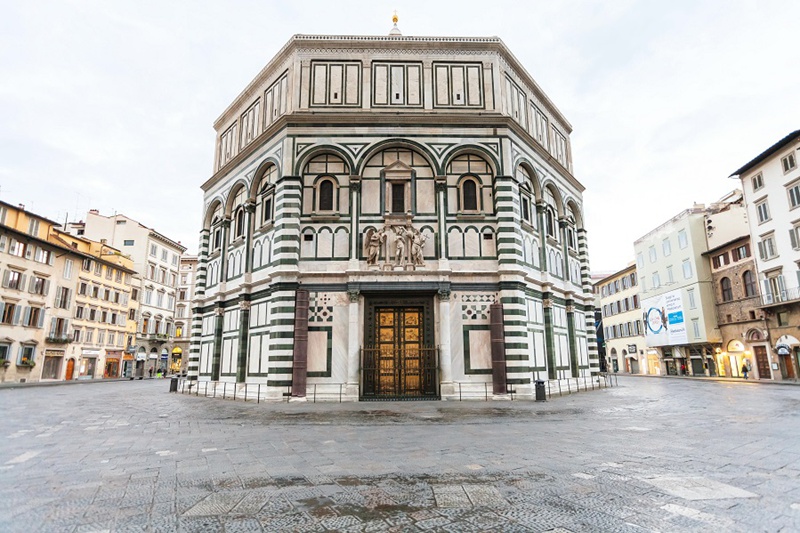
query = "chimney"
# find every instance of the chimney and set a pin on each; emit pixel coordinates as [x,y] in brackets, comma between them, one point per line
[94,211]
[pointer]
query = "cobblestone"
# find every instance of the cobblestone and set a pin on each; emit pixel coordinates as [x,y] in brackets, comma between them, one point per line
[626,459]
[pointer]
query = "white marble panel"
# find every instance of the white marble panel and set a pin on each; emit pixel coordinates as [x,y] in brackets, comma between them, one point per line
[340,338]
[317,351]
[352,89]
[324,244]
[455,243]
[456,339]
[254,356]
[307,248]
[370,197]
[442,86]
[480,349]
[341,243]
[562,349]
[472,243]
[488,248]
[426,196]
[474,84]
[335,84]
[429,248]
[539,358]
[320,73]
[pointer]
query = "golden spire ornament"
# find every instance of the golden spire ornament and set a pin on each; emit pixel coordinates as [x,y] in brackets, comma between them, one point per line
[395,30]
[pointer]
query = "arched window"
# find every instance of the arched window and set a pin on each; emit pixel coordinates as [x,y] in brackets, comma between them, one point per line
[325,198]
[749,284]
[469,195]
[727,291]
[240,222]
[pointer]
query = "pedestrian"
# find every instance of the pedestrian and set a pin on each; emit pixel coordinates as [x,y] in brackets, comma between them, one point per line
[745,370]
[150,371]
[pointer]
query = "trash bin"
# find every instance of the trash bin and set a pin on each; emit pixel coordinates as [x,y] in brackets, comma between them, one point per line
[540,394]
[173,384]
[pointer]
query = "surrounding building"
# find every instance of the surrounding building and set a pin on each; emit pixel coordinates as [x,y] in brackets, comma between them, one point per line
[677,295]
[392,217]
[183,313]
[156,258]
[49,301]
[734,278]
[623,330]
[771,186]
[102,311]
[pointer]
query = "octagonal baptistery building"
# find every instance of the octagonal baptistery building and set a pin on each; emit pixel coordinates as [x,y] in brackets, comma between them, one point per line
[392,218]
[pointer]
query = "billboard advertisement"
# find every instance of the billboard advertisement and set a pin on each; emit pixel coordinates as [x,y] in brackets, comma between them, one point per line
[664,322]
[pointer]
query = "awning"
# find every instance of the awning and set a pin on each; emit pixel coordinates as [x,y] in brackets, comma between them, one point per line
[783,349]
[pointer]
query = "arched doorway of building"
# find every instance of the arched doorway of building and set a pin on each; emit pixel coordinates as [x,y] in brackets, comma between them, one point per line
[141,359]
[177,359]
[614,361]
[70,369]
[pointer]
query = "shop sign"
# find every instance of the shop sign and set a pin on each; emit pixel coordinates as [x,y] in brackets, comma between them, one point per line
[141,356]
[783,349]
[153,355]
[90,353]
[631,348]
[54,353]
[164,356]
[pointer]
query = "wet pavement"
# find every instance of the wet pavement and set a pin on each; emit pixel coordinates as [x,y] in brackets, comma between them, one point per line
[648,455]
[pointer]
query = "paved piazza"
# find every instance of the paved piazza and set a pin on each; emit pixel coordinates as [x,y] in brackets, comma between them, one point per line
[648,455]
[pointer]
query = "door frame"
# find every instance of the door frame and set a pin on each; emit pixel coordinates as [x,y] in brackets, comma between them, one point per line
[425,301]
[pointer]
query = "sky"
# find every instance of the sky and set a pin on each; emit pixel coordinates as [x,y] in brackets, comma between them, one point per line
[110,105]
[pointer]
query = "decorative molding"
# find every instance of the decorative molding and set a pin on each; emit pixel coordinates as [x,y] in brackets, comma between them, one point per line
[353,294]
[444,295]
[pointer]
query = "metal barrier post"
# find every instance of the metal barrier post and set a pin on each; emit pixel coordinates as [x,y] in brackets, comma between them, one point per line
[258,397]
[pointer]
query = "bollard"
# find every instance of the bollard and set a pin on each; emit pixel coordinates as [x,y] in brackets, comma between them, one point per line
[540,394]
[173,384]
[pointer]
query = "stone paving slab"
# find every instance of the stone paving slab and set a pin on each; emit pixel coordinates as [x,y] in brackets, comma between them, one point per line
[625,459]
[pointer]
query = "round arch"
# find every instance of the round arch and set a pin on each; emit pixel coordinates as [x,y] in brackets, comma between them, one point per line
[262,169]
[551,186]
[472,149]
[241,183]
[311,153]
[414,146]
[212,207]
[534,177]
[574,208]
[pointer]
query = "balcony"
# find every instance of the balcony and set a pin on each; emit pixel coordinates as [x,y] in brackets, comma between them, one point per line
[58,339]
[160,337]
[781,297]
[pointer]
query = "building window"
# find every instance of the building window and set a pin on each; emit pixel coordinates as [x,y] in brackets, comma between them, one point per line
[766,247]
[794,196]
[670,275]
[683,242]
[757,181]
[762,212]
[692,303]
[666,247]
[325,195]
[789,163]
[640,260]
[238,226]
[33,227]
[749,281]
[720,260]
[398,197]
[469,194]
[128,242]
[794,237]
[656,280]
[687,269]
[68,269]
[783,318]
[727,289]
[741,252]
[153,250]
[696,327]
[13,280]
[27,354]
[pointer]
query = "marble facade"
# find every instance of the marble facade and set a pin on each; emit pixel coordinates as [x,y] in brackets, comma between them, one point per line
[365,172]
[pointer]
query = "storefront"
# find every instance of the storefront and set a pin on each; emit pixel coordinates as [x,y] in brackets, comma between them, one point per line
[177,357]
[653,363]
[112,366]
[729,363]
[88,364]
[127,365]
[787,351]
[53,360]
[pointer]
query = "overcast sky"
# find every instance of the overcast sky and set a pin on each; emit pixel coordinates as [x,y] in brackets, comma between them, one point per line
[110,105]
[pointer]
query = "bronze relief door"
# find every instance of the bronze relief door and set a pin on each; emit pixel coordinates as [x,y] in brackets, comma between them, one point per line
[398,363]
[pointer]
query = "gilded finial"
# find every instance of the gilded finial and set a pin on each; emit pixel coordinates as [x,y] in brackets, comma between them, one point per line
[395,30]
[394,17]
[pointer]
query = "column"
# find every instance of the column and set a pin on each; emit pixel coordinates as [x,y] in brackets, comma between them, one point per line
[540,214]
[445,356]
[355,230]
[223,255]
[193,367]
[219,317]
[562,230]
[588,298]
[353,345]
[549,341]
[249,211]
[573,347]
[244,337]
[441,215]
